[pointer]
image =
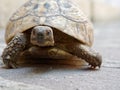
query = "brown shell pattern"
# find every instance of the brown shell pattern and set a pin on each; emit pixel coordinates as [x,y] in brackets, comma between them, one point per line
[60,14]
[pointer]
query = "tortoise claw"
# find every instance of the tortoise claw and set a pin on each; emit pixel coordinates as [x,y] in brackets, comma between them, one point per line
[10,64]
[94,66]
[13,65]
[95,62]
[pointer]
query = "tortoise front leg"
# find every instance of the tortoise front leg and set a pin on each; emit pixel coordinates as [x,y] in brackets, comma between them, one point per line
[84,52]
[93,58]
[13,49]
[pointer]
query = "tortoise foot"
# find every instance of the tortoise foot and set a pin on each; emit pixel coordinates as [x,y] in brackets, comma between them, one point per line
[93,58]
[95,61]
[12,51]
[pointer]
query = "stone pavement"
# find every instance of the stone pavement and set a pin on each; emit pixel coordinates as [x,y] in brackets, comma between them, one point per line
[68,77]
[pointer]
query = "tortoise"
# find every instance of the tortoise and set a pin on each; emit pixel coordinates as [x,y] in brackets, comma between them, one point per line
[54,29]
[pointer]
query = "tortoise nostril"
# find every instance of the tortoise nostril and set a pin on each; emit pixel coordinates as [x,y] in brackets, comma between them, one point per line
[40,36]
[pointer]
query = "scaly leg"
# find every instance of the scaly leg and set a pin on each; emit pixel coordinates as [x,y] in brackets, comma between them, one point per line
[13,49]
[84,52]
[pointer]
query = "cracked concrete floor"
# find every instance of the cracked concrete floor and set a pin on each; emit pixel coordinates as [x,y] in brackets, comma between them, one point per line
[67,77]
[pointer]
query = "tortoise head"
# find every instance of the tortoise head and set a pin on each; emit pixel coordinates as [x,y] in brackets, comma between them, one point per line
[42,36]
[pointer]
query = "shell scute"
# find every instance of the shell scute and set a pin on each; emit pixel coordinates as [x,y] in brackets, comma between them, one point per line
[60,14]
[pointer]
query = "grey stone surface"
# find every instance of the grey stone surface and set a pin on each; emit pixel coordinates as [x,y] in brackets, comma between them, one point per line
[12,85]
[68,77]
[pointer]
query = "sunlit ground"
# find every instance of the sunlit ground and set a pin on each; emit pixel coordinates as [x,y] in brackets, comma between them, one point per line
[68,77]
[57,77]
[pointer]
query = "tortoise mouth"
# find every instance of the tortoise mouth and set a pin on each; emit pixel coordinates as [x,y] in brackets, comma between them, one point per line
[42,36]
[45,44]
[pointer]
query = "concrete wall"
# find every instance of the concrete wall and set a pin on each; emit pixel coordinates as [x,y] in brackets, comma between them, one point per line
[102,10]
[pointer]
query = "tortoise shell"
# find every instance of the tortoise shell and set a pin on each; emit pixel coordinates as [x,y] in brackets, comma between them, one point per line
[60,14]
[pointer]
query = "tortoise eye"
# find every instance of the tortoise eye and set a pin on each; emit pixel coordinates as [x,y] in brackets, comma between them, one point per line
[47,32]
